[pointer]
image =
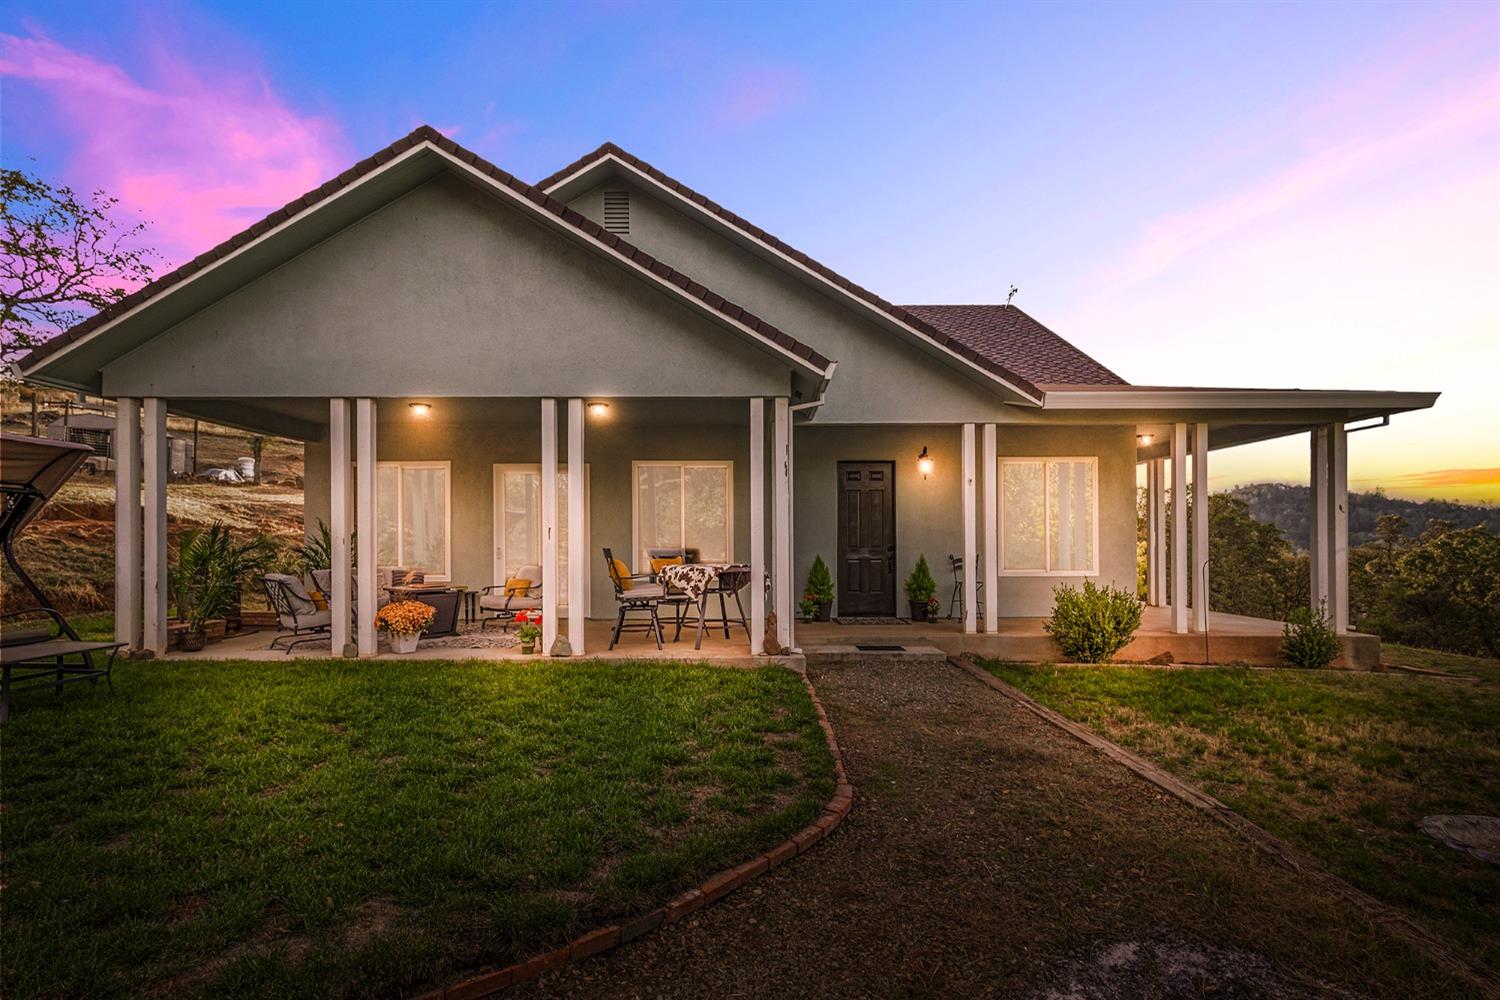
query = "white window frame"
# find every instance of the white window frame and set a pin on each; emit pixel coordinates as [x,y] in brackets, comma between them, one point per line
[497,519]
[447,575]
[1045,460]
[635,504]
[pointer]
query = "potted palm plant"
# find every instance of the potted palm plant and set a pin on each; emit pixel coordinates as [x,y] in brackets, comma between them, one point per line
[206,580]
[921,591]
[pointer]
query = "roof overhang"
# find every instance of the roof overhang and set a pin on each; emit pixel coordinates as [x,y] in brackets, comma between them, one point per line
[73,360]
[605,164]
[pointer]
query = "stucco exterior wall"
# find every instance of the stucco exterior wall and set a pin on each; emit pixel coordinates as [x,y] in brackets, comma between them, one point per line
[879,379]
[447,292]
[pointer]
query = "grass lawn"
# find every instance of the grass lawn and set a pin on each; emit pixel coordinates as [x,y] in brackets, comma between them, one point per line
[338,828]
[1344,765]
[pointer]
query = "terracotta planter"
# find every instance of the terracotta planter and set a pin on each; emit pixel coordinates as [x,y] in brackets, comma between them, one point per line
[404,642]
[528,648]
[918,611]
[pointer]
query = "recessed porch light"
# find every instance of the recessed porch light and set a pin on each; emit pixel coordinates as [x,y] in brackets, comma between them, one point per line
[1145,439]
[420,409]
[598,408]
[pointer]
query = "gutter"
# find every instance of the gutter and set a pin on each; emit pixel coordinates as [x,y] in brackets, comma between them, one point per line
[822,391]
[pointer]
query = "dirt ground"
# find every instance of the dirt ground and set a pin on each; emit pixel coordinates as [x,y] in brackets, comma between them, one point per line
[989,854]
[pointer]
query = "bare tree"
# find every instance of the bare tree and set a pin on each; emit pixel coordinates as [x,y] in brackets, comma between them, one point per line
[61,258]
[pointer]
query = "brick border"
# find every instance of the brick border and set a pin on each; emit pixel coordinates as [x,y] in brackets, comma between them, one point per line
[1439,951]
[686,903]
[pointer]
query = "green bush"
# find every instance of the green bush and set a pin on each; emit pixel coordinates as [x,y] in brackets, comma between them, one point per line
[1093,624]
[1307,640]
[920,586]
[819,581]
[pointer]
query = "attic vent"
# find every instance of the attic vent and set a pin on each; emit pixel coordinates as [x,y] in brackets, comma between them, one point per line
[617,212]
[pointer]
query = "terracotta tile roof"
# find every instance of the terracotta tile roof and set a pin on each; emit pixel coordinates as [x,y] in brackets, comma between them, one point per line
[1029,348]
[422,134]
[1003,369]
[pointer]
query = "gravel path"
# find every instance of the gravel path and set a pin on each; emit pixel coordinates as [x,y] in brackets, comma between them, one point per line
[988,854]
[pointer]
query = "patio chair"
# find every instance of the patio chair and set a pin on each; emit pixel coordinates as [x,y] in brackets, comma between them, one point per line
[323,583]
[635,593]
[956,563]
[510,597]
[298,619]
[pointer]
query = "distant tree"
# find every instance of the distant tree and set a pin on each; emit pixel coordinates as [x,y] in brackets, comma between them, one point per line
[1446,591]
[62,257]
[1248,561]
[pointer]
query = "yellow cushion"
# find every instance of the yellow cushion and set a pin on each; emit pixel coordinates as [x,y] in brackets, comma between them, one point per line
[320,602]
[517,586]
[657,564]
[623,572]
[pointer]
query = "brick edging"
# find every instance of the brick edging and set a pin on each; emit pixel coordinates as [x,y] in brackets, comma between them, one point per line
[1436,949]
[684,904]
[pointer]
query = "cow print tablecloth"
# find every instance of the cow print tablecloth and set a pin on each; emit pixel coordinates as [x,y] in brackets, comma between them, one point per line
[695,579]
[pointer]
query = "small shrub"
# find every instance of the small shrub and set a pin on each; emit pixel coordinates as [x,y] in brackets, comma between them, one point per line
[1093,624]
[1308,640]
[920,586]
[819,581]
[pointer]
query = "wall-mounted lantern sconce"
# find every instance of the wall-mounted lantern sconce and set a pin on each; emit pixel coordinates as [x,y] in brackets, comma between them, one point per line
[1145,439]
[598,408]
[420,409]
[924,463]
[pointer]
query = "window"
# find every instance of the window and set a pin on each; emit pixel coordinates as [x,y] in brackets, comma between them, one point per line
[1049,516]
[684,505]
[518,522]
[412,507]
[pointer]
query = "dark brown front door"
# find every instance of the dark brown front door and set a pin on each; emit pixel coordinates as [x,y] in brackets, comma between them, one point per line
[867,538]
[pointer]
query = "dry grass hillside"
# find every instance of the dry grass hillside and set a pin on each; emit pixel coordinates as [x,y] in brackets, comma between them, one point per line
[69,549]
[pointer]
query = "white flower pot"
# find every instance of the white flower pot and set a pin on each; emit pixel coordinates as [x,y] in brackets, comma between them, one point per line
[406,643]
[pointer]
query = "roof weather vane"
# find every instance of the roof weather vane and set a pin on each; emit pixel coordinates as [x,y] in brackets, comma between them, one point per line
[1012,294]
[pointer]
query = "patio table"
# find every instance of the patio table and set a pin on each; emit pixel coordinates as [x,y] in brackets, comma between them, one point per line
[698,581]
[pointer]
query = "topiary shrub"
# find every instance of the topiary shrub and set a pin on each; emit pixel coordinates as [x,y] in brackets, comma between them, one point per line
[1093,624]
[820,581]
[1308,640]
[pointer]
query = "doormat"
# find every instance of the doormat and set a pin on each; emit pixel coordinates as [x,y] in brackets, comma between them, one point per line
[872,621]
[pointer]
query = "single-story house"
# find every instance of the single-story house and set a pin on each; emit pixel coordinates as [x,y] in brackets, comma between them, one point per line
[491,374]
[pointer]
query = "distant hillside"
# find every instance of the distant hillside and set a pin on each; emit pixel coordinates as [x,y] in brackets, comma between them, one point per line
[1286,507]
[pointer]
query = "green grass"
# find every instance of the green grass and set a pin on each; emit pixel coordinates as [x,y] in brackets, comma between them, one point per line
[322,828]
[1342,764]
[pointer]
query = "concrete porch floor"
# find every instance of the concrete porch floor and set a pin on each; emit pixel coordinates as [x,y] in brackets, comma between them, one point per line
[1231,638]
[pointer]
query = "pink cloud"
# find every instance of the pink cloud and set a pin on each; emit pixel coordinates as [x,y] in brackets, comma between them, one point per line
[200,151]
[756,95]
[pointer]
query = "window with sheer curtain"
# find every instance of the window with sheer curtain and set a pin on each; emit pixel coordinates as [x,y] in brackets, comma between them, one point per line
[519,509]
[412,506]
[684,505]
[1049,516]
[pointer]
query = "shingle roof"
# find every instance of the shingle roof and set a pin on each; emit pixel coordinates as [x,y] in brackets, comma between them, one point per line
[990,363]
[1029,348]
[421,134]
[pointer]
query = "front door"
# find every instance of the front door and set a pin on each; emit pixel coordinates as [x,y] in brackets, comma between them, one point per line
[867,538]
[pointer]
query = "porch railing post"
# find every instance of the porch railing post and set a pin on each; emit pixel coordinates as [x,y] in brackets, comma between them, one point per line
[757,525]
[154,542]
[990,564]
[577,530]
[365,521]
[127,448]
[1179,579]
[1199,573]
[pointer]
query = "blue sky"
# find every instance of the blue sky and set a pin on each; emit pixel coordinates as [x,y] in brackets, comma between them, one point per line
[1244,194]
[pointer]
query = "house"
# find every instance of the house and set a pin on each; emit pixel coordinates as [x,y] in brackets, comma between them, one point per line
[452,342]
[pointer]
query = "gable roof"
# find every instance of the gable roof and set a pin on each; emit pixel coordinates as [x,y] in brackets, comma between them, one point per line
[1003,370]
[1033,351]
[426,136]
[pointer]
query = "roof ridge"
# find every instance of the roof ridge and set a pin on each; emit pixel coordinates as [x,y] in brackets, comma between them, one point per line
[870,298]
[428,134]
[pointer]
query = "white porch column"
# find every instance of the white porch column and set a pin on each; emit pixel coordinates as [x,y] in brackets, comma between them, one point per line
[1154,514]
[781,518]
[1179,580]
[127,444]
[971,542]
[990,458]
[1200,527]
[340,521]
[549,524]
[757,525]
[577,529]
[1338,527]
[154,583]
[1317,520]
[365,520]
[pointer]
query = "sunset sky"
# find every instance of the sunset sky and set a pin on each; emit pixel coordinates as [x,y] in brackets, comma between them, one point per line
[1211,194]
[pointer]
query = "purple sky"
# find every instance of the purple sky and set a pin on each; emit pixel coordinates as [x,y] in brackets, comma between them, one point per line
[1213,194]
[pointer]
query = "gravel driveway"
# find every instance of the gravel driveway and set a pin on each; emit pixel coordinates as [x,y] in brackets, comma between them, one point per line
[989,854]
